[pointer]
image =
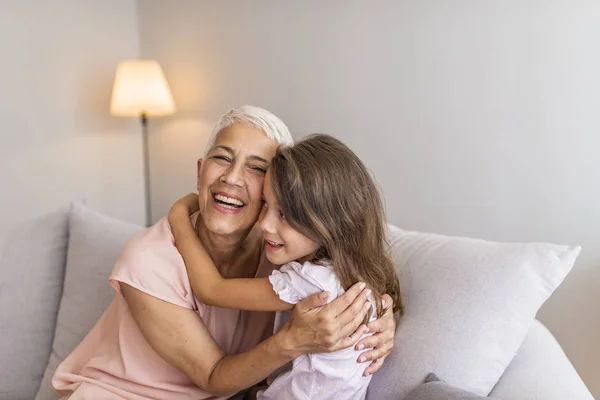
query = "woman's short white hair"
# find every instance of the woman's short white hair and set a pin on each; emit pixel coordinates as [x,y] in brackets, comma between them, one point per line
[256,117]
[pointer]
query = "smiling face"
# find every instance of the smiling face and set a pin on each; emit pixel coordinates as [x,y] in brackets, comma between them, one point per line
[230,179]
[282,242]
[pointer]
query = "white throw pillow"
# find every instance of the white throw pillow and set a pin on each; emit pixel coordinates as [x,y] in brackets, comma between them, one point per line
[469,305]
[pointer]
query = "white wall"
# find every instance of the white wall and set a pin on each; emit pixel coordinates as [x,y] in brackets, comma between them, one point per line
[478,118]
[58,142]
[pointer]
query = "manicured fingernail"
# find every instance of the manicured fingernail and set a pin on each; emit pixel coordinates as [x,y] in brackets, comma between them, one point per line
[362,285]
[361,359]
[324,295]
[366,329]
[360,347]
[367,292]
[382,303]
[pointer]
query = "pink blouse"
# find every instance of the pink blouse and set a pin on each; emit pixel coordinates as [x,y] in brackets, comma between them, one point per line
[114,361]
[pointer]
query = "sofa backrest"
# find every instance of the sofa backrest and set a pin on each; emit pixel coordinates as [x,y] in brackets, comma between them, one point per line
[32,262]
[95,243]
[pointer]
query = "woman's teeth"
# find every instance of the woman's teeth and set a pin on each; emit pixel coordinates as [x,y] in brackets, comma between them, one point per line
[228,202]
[274,244]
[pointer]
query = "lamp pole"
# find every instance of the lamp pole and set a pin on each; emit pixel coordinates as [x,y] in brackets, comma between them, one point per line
[144,122]
[141,90]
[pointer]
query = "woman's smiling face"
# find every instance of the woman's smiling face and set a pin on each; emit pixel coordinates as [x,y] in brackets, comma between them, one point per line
[230,179]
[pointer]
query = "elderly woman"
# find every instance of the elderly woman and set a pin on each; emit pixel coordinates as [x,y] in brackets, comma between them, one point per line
[157,341]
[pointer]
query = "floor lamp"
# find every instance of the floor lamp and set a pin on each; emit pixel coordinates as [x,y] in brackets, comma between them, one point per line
[141,90]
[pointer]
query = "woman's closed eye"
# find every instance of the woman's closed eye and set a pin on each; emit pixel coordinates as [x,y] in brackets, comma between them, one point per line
[222,158]
[259,170]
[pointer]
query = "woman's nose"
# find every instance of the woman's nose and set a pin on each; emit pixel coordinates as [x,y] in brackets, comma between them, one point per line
[234,175]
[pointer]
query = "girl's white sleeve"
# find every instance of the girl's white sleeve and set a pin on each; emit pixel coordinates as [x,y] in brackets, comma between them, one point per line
[294,281]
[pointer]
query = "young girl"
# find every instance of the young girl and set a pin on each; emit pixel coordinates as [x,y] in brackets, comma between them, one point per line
[323,222]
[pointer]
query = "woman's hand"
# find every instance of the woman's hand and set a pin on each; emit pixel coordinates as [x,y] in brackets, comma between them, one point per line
[184,207]
[319,328]
[382,340]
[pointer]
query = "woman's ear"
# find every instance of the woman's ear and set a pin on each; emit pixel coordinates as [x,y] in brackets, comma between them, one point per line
[198,173]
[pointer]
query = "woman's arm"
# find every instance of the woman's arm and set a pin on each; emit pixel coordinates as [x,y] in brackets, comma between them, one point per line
[253,294]
[179,336]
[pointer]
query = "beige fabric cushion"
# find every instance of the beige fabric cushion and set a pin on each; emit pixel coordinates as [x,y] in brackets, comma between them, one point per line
[469,305]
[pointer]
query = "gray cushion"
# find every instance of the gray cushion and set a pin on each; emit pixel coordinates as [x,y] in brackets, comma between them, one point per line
[32,260]
[435,389]
[541,370]
[95,243]
[469,304]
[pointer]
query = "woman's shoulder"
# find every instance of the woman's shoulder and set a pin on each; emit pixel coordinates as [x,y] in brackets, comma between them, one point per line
[151,263]
[158,234]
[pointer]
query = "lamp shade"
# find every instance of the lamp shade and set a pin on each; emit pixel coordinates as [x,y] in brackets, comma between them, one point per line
[141,88]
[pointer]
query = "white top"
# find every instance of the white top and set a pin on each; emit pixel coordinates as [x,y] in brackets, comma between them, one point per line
[335,376]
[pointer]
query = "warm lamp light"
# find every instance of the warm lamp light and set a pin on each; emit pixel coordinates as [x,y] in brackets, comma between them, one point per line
[141,90]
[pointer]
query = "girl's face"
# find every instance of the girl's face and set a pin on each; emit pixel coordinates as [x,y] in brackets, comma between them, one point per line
[282,242]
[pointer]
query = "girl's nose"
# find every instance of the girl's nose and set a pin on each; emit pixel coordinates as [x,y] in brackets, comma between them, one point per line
[265,221]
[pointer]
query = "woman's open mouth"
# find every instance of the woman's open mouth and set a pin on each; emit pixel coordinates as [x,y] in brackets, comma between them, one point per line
[227,203]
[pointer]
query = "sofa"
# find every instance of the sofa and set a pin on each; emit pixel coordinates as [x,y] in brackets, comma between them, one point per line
[54,288]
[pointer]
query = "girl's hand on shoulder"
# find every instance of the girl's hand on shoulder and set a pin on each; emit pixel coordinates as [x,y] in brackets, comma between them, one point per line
[184,207]
[381,342]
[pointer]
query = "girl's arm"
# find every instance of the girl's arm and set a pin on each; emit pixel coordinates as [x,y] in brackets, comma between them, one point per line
[253,294]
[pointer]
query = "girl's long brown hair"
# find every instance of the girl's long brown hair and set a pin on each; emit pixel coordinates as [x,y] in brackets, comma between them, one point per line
[326,193]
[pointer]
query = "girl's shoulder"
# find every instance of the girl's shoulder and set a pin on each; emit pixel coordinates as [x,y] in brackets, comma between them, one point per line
[308,278]
[308,268]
